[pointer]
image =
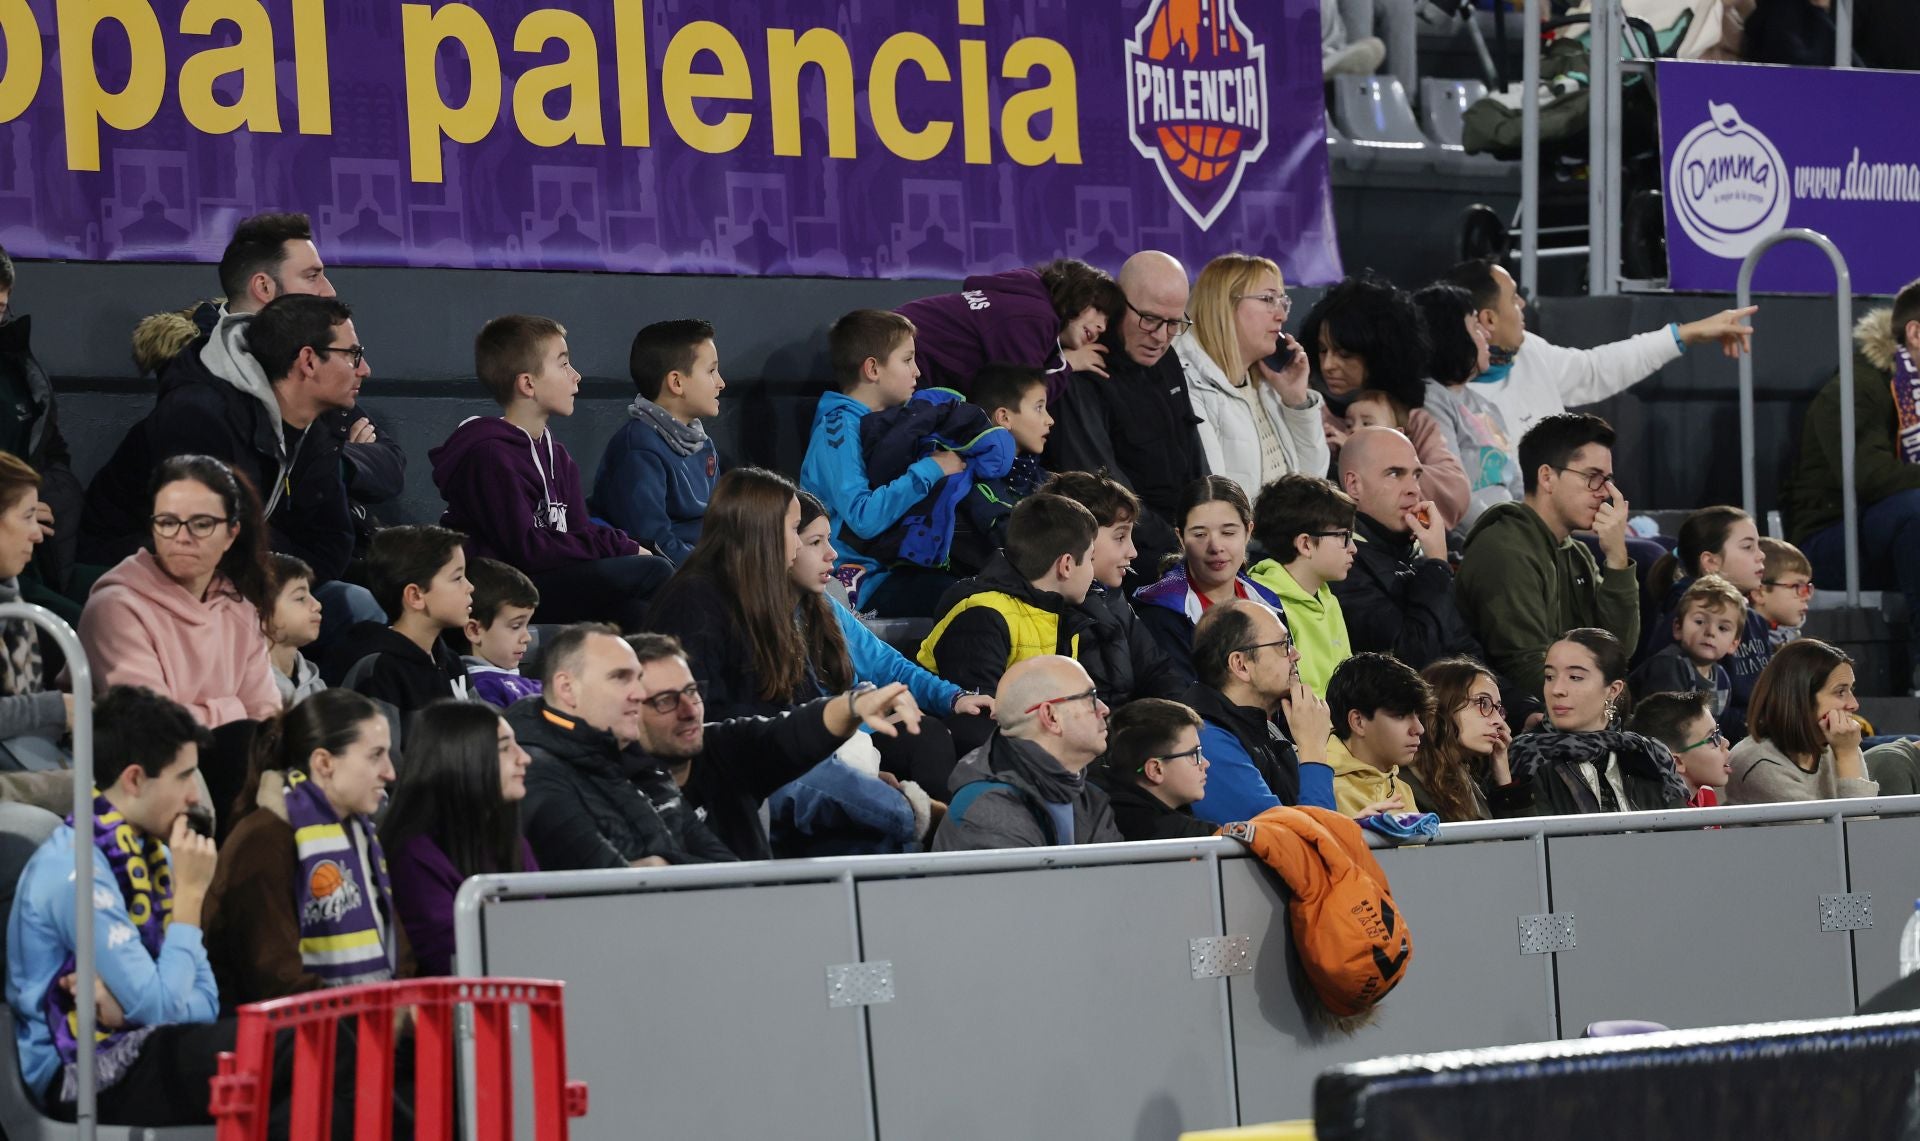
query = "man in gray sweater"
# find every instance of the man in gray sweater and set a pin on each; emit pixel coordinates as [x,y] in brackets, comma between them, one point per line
[1027,786]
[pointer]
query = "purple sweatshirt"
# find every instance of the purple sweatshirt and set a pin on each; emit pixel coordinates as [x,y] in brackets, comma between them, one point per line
[424,884]
[518,499]
[999,318]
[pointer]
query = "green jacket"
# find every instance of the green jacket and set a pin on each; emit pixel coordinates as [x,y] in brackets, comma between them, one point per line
[1810,499]
[1314,621]
[1520,589]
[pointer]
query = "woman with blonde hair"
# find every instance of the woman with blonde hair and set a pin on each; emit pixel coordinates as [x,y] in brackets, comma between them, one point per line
[1258,424]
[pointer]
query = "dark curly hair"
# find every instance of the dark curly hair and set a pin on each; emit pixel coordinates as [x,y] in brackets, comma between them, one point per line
[1369,317]
[1074,286]
[1452,356]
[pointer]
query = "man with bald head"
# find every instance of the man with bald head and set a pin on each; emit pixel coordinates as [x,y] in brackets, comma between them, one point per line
[1027,786]
[1398,599]
[1136,424]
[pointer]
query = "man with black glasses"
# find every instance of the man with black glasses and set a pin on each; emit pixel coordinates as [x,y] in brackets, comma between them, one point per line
[1027,786]
[1246,664]
[1137,424]
[607,720]
[1525,579]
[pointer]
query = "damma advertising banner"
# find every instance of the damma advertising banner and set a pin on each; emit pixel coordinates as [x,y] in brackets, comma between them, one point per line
[855,138]
[1750,150]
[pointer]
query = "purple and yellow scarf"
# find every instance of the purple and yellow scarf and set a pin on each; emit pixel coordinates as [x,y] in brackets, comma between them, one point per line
[139,865]
[339,930]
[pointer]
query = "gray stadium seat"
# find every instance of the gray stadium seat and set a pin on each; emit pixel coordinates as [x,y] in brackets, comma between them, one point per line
[23,828]
[1443,104]
[1373,113]
[903,634]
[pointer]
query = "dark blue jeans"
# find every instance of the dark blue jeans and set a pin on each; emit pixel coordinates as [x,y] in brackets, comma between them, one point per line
[1889,554]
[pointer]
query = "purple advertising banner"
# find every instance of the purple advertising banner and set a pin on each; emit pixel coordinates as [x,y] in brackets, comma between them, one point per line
[848,138]
[1750,150]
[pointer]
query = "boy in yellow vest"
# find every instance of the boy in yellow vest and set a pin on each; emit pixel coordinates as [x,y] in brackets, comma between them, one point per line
[1026,603]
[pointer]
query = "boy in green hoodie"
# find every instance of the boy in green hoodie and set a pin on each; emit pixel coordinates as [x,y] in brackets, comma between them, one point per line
[1524,578]
[1306,524]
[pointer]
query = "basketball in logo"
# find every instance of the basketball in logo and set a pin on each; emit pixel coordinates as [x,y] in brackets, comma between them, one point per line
[1197,100]
[325,880]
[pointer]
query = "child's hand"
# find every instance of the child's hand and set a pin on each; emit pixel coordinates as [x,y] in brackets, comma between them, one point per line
[950,462]
[1087,358]
[977,703]
[1391,804]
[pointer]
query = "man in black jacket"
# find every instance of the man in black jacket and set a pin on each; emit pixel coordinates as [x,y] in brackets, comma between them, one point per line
[1133,419]
[312,462]
[1398,599]
[608,726]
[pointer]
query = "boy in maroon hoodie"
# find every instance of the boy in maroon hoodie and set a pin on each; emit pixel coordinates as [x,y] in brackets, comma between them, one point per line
[1050,318]
[515,492]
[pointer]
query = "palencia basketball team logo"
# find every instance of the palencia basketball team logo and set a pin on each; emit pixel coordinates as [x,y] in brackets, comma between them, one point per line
[1197,100]
[1729,184]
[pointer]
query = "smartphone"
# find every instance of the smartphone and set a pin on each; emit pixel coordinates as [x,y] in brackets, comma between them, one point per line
[1281,360]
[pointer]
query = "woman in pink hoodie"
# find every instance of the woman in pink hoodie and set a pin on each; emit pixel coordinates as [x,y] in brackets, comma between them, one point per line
[183,618]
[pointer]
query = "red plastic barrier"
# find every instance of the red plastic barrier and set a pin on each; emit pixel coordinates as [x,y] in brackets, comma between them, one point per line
[243,1087]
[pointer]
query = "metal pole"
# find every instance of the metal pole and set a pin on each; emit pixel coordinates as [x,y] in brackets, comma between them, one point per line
[1599,117]
[84,970]
[1843,331]
[1530,148]
[1843,33]
[1615,72]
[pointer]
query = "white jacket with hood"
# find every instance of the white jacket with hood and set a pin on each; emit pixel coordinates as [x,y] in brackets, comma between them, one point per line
[1228,434]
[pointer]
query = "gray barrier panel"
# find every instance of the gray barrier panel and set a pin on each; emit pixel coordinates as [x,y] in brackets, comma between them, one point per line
[699,1013]
[1881,862]
[1468,984]
[1057,1003]
[1704,928]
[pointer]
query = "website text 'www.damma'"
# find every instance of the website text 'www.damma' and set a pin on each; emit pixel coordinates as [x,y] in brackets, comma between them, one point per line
[1858,181]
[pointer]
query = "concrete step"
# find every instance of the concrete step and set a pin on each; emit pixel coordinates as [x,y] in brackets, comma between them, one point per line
[1876,641]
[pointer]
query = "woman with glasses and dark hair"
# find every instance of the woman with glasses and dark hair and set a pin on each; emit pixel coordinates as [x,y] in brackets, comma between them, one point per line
[1367,337]
[1461,771]
[1257,423]
[182,617]
[1805,742]
[457,814]
[1050,318]
[1581,760]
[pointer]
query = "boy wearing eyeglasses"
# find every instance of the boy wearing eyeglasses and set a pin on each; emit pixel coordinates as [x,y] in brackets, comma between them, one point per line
[1785,591]
[1154,771]
[1306,524]
[1682,723]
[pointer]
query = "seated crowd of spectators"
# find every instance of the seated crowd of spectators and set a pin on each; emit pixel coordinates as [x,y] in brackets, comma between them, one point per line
[1179,568]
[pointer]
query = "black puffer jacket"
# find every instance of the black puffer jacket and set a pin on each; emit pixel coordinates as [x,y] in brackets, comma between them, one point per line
[583,809]
[1121,654]
[1397,604]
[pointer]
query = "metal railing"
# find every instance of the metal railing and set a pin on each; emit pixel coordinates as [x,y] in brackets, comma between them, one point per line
[85,970]
[1843,305]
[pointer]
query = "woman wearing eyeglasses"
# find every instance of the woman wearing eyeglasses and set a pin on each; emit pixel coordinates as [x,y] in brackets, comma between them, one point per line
[1461,771]
[1581,760]
[1805,742]
[182,617]
[1257,424]
[1367,336]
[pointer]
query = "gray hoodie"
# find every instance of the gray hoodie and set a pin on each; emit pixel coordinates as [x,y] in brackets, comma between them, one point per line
[226,357]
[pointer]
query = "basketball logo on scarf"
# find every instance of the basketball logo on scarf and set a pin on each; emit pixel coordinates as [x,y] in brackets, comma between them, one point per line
[331,893]
[1197,100]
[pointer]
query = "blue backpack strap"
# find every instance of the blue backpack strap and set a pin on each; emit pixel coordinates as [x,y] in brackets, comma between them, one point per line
[972,791]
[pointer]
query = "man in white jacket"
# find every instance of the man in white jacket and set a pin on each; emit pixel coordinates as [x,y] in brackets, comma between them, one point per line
[1531,379]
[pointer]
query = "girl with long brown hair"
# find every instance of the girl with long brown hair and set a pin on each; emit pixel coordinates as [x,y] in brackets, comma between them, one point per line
[1461,771]
[760,644]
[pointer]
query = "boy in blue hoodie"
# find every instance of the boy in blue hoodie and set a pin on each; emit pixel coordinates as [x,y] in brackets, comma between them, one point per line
[659,469]
[872,355]
[513,490]
[1014,397]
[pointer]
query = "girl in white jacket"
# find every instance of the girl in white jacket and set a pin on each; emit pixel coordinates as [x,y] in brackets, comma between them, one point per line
[1256,424]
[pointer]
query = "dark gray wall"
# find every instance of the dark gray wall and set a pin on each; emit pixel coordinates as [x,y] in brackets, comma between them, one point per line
[1681,427]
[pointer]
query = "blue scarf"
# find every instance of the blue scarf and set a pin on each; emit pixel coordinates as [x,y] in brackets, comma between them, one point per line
[1499,365]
